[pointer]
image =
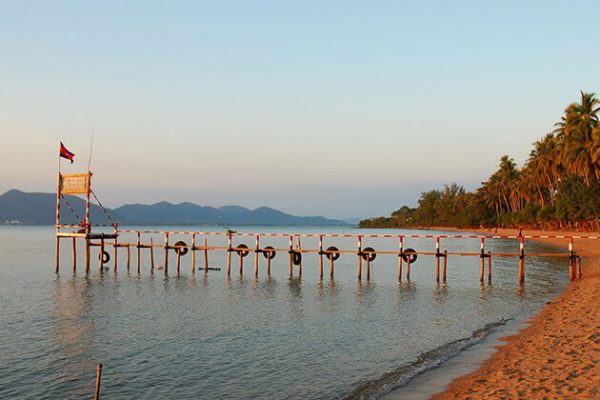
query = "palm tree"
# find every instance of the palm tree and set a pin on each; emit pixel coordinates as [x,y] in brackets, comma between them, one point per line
[574,133]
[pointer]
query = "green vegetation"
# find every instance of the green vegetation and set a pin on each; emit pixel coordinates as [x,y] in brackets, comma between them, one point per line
[558,187]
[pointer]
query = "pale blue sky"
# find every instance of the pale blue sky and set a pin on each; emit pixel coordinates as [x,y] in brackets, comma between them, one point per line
[338,108]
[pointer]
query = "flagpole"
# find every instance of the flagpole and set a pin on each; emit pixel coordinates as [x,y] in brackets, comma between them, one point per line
[58,216]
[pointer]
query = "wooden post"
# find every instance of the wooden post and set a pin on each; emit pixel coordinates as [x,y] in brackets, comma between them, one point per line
[299,249]
[571,260]
[400,250]
[98,379]
[228,255]
[205,255]
[489,257]
[481,268]
[256,244]
[193,262]
[368,269]
[522,259]
[128,256]
[241,264]
[57,253]
[331,266]
[481,259]
[321,257]
[359,252]
[408,268]
[115,252]
[291,256]
[166,252]
[445,265]
[101,253]
[178,259]
[138,252]
[269,266]
[437,259]
[74,255]
[579,275]
[521,271]
[87,255]
[151,255]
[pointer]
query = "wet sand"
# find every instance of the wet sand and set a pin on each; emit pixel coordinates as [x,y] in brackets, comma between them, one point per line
[558,354]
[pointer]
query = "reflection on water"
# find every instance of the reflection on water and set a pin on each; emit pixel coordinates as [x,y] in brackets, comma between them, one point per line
[209,336]
[72,330]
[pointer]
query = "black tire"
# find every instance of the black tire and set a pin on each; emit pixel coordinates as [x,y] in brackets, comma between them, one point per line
[269,253]
[297,258]
[333,253]
[409,254]
[181,247]
[368,256]
[242,253]
[105,257]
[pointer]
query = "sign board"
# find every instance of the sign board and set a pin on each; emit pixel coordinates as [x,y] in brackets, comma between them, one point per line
[75,183]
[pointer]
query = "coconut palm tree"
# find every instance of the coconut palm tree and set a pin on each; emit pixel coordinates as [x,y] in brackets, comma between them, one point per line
[575,137]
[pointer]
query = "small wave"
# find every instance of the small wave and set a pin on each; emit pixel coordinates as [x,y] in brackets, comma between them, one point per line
[394,379]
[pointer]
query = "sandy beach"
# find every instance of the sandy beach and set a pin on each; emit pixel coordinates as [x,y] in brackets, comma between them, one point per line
[558,354]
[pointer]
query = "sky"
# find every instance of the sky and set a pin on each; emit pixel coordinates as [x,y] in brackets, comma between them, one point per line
[334,108]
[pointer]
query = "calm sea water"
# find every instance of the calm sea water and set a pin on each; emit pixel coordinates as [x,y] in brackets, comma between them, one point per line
[206,336]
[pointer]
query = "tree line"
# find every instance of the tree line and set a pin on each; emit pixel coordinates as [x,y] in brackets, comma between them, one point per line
[557,187]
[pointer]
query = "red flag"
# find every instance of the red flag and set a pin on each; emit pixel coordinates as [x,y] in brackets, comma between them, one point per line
[64,153]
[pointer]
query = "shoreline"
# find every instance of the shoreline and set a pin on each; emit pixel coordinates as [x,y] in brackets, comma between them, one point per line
[557,352]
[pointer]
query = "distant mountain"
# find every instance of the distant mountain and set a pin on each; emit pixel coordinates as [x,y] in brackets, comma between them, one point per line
[38,208]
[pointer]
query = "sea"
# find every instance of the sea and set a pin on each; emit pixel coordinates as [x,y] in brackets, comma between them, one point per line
[203,335]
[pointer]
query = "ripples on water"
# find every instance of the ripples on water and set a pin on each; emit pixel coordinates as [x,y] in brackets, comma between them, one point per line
[206,336]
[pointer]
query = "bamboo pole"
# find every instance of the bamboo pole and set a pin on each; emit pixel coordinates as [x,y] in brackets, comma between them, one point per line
[481,268]
[400,250]
[101,253]
[138,253]
[291,256]
[489,276]
[521,271]
[331,266]
[57,253]
[74,244]
[98,379]
[445,265]
[205,255]
[256,244]
[359,253]
[228,255]
[151,255]
[115,252]
[166,252]
[437,260]
[193,262]
[299,249]
[522,259]
[321,257]
[87,255]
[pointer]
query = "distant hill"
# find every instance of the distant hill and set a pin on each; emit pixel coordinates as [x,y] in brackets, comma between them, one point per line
[38,208]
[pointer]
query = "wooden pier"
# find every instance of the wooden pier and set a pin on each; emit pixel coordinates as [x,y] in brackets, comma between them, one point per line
[258,244]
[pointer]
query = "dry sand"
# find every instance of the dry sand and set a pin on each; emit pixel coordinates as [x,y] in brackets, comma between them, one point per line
[558,355]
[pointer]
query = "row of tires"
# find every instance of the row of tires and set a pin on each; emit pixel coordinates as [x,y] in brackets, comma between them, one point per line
[332,252]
